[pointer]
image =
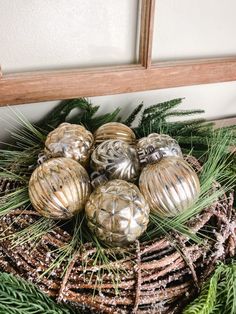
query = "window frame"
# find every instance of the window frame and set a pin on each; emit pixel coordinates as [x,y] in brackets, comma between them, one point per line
[39,86]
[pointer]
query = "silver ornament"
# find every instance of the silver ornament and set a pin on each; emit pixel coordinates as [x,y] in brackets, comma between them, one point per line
[117,213]
[59,188]
[170,186]
[71,141]
[114,131]
[117,160]
[156,146]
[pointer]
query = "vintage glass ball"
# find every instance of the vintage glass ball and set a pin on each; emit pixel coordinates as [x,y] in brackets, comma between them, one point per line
[116,159]
[154,142]
[59,188]
[170,186]
[117,212]
[114,131]
[71,141]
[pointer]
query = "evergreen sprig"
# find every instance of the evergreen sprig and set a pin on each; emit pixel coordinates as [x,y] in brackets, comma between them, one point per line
[218,295]
[20,297]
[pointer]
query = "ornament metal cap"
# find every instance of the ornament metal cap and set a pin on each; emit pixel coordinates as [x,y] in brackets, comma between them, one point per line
[149,155]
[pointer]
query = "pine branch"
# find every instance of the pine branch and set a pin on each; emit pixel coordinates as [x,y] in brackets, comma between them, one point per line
[162,107]
[60,113]
[20,297]
[218,295]
[181,113]
[133,115]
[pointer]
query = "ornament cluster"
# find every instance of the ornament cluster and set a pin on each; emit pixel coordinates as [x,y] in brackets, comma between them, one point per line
[115,178]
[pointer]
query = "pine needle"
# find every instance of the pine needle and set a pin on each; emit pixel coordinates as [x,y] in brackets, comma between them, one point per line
[218,295]
[20,297]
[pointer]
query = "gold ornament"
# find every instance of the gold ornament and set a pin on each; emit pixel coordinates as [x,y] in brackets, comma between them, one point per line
[155,146]
[59,188]
[117,212]
[114,131]
[170,186]
[71,141]
[116,159]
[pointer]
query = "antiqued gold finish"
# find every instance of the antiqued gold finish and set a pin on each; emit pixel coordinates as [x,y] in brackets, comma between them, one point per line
[117,160]
[71,141]
[117,212]
[114,131]
[170,186]
[59,188]
[155,146]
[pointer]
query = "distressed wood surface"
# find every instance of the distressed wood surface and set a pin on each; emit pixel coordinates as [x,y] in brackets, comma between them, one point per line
[54,85]
[146,32]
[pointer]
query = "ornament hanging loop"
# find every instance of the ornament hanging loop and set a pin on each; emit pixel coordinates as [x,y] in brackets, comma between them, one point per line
[41,158]
[98,178]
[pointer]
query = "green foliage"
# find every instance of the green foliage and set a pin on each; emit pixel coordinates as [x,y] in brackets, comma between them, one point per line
[85,115]
[133,115]
[194,135]
[20,297]
[14,199]
[218,295]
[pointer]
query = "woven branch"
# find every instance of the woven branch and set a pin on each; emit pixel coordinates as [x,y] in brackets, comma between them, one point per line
[154,276]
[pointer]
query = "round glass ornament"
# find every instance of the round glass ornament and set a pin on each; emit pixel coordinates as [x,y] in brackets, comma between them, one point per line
[170,186]
[114,131]
[59,188]
[117,213]
[155,146]
[117,160]
[71,141]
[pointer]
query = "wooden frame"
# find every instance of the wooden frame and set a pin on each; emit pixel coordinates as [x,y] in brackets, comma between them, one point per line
[40,86]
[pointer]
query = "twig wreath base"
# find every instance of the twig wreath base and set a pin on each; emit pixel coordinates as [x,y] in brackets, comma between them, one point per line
[155,277]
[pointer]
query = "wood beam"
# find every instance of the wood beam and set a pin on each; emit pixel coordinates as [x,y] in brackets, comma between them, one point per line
[55,85]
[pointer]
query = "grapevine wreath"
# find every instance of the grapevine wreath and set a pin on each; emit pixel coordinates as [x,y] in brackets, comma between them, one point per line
[105,215]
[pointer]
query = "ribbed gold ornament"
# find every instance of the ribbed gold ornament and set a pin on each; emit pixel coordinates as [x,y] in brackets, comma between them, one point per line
[114,131]
[117,213]
[155,146]
[59,188]
[170,186]
[116,159]
[71,141]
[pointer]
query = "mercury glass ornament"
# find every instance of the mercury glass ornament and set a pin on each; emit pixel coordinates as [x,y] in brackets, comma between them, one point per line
[117,160]
[71,141]
[117,213]
[114,131]
[59,188]
[170,186]
[155,146]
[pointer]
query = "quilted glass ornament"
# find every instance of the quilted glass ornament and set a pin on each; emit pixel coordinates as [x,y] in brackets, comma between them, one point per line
[71,141]
[170,186]
[114,131]
[117,213]
[59,188]
[116,159]
[155,146]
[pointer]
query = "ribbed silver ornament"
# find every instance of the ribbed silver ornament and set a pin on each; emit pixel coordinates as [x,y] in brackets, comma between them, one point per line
[114,131]
[170,186]
[59,188]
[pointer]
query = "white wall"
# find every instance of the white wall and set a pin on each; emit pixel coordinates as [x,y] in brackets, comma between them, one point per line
[57,33]
[194,28]
[60,33]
